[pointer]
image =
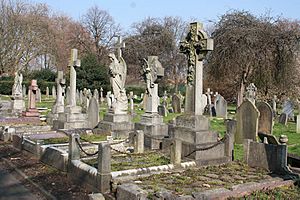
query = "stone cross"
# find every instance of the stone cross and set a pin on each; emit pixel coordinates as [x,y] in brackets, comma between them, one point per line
[101,95]
[251,92]
[274,103]
[60,83]
[119,46]
[208,93]
[74,62]
[195,47]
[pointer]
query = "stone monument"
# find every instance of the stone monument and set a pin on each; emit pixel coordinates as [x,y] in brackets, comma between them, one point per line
[151,122]
[58,106]
[72,117]
[117,120]
[192,128]
[18,104]
[32,111]
[251,93]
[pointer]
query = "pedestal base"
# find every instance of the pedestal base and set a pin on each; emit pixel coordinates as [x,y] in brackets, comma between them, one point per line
[119,125]
[31,112]
[70,121]
[198,142]
[17,105]
[154,129]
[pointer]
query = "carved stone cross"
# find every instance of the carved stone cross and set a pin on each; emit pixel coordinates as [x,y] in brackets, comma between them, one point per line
[120,45]
[195,47]
[74,62]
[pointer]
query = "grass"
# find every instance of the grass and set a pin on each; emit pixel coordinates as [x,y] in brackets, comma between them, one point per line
[218,125]
[134,161]
[292,192]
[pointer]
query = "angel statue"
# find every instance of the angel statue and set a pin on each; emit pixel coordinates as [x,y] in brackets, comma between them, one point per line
[17,87]
[117,72]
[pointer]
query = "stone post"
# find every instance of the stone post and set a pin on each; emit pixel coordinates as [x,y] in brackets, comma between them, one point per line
[139,141]
[104,167]
[101,95]
[176,149]
[74,151]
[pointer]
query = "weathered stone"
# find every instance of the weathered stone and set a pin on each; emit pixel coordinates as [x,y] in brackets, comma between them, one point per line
[265,122]
[176,103]
[162,110]
[93,113]
[32,111]
[130,191]
[288,108]
[247,122]
[176,147]
[221,106]
[283,118]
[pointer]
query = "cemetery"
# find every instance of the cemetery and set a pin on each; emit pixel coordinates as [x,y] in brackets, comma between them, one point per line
[74,139]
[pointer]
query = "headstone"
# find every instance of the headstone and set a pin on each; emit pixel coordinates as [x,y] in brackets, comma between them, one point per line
[195,53]
[208,94]
[274,100]
[77,96]
[53,92]
[240,95]
[74,63]
[131,102]
[47,92]
[32,111]
[288,108]
[283,118]
[203,100]
[247,122]
[24,91]
[93,113]
[108,99]
[101,95]
[251,93]
[162,110]
[80,97]
[265,122]
[221,106]
[68,98]
[176,103]
[38,95]
[96,95]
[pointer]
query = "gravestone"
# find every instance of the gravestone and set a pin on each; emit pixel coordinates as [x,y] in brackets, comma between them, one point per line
[53,92]
[108,99]
[162,110]
[288,108]
[24,91]
[117,120]
[283,118]
[96,95]
[265,122]
[93,113]
[247,122]
[131,102]
[17,104]
[298,124]
[72,117]
[176,103]
[101,95]
[251,92]
[221,106]
[38,95]
[274,100]
[68,95]
[208,94]
[58,106]
[80,97]
[77,97]
[32,111]
[47,92]
[192,128]
[151,122]
[203,100]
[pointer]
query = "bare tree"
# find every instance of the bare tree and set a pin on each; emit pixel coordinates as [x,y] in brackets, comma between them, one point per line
[102,29]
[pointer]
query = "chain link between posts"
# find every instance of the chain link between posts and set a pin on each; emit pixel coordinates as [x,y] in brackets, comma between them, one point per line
[209,147]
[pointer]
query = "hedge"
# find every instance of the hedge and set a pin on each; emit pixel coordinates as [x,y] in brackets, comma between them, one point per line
[6,86]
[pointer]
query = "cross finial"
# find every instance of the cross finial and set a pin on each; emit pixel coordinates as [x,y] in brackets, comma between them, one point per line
[74,61]
[120,45]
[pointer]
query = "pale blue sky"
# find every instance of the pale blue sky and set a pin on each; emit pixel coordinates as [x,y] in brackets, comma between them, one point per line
[127,12]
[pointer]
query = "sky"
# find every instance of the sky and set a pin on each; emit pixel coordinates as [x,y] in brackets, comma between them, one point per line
[126,12]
